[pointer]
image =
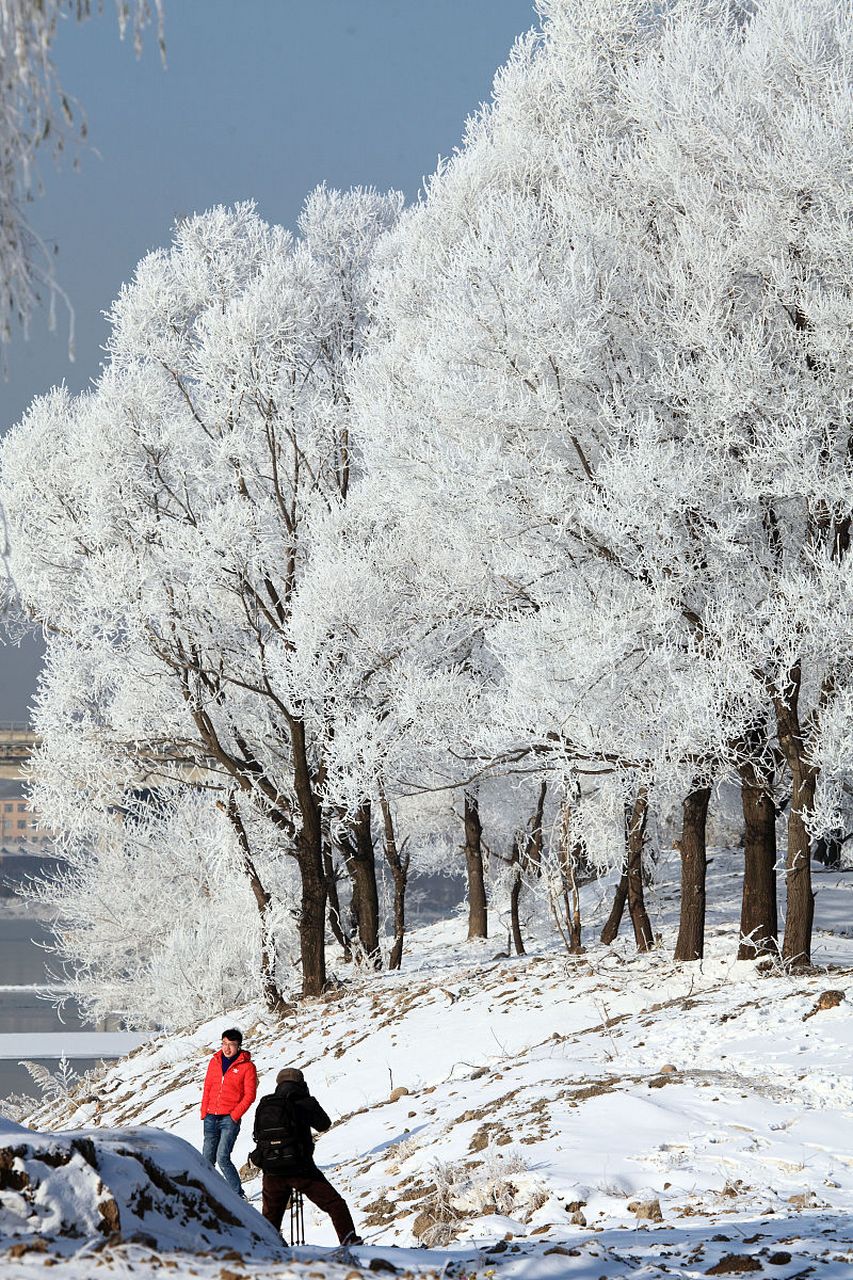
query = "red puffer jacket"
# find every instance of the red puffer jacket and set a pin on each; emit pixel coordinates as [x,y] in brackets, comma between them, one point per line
[234,1092]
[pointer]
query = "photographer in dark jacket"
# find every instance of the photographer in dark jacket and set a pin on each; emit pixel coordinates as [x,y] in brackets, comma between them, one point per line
[297,1172]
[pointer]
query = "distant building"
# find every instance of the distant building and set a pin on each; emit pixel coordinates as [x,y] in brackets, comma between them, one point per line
[19,826]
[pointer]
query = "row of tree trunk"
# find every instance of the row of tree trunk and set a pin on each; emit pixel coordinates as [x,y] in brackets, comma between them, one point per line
[759,928]
[759,918]
[359,933]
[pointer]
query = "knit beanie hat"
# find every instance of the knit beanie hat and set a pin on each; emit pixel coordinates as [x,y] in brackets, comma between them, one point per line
[292,1074]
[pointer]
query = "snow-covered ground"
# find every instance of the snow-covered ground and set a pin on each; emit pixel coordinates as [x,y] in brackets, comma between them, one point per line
[602,1115]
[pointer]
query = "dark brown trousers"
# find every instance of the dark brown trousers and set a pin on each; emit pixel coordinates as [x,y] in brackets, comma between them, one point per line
[276,1197]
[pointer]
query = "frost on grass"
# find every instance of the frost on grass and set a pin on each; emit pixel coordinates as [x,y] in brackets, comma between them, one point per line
[54,1085]
[499,1185]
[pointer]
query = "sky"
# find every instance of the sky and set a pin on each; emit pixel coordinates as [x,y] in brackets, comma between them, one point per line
[261,100]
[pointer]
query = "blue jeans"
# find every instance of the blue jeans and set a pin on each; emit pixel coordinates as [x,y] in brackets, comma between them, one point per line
[220,1134]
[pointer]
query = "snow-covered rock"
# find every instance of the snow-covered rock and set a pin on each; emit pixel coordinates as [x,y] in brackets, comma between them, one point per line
[140,1185]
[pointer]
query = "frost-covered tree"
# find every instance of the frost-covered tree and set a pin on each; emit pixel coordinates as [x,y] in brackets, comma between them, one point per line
[161,523]
[576,515]
[408,664]
[157,924]
[35,116]
[611,350]
[502,309]
[744,184]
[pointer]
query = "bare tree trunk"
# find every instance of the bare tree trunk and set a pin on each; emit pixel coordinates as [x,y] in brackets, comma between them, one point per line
[532,859]
[398,861]
[336,920]
[620,897]
[309,857]
[515,896]
[312,919]
[758,915]
[368,896]
[796,945]
[568,873]
[361,865]
[526,856]
[797,942]
[636,830]
[478,921]
[305,834]
[690,944]
[274,998]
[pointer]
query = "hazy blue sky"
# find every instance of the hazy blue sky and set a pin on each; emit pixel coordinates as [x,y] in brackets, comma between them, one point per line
[261,99]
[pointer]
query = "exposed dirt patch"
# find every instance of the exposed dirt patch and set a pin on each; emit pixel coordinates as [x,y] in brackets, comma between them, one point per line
[11,1179]
[110,1223]
[826,1000]
[35,1245]
[734,1264]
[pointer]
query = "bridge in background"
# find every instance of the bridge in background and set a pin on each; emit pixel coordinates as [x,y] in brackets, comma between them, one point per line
[16,747]
[17,742]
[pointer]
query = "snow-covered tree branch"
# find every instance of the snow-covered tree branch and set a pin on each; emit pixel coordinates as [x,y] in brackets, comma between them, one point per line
[36,117]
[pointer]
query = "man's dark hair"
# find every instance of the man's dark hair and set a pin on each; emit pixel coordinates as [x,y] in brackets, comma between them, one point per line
[233,1034]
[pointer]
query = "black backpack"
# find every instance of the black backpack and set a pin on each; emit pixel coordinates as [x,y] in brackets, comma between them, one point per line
[280,1137]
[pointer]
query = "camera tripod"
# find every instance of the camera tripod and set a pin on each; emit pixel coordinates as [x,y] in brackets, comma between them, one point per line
[297,1218]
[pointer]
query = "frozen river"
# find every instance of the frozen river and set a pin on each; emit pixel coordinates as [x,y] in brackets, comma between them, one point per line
[30,1026]
[22,962]
[23,969]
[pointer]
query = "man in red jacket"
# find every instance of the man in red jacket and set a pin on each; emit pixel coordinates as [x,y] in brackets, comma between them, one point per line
[230,1087]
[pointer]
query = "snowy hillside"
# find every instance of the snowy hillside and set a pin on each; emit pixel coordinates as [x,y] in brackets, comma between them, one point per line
[602,1115]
